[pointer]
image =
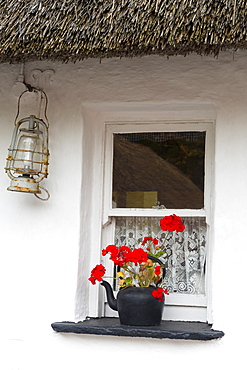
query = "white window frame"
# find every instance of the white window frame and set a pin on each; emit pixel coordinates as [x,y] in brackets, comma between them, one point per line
[178,306]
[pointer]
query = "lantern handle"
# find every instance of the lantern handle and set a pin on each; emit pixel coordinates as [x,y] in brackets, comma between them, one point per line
[47,192]
[33,89]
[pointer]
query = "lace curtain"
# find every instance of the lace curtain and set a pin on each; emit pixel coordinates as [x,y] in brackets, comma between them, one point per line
[185,256]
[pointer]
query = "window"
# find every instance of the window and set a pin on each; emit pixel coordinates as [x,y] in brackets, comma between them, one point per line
[153,170]
[158,167]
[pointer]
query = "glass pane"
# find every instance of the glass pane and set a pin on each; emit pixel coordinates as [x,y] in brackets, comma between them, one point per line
[164,169]
[185,253]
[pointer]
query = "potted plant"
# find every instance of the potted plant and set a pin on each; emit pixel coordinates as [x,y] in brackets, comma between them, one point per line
[140,300]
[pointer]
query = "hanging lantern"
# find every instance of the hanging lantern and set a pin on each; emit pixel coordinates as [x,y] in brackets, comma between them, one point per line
[27,161]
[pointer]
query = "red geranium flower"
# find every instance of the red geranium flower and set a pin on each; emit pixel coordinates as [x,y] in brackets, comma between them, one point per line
[159,294]
[112,249]
[97,273]
[138,255]
[157,270]
[118,255]
[172,223]
[149,238]
[123,255]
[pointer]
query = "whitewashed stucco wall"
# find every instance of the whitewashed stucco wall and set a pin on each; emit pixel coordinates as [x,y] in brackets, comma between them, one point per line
[40,241]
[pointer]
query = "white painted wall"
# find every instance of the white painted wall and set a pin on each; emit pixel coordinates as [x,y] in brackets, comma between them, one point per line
[40,241]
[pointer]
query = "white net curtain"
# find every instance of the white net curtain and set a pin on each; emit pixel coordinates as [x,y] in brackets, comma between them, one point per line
[185,256]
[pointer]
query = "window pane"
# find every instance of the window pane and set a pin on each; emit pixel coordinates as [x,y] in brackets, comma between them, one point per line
[185,253]
[165,168]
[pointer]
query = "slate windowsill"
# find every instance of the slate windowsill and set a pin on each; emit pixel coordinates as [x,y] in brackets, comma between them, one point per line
[167,329]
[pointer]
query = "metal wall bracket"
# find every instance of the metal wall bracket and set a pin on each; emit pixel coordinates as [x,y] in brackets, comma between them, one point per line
[42,79]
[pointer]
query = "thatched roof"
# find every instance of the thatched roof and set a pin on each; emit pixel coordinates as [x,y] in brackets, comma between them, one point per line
[76,29]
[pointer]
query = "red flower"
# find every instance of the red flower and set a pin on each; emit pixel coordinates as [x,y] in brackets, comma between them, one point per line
[172,223]
[159,294]
[118,255]
[96,274]
[138,255]
[149,238]
[123,255]
[112,249]
[146,239]
[157,270]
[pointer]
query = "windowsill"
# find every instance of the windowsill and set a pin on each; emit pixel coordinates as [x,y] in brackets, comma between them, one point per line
[168,329]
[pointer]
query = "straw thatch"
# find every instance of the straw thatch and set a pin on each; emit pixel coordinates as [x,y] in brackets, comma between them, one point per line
[76,29]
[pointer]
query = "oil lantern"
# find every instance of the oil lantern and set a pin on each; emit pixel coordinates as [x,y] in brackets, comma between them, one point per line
[27,161]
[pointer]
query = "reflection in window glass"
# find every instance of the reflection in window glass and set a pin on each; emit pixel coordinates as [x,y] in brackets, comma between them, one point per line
[164,168]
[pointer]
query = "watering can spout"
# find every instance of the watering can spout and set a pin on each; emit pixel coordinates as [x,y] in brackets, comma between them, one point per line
[109,294]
